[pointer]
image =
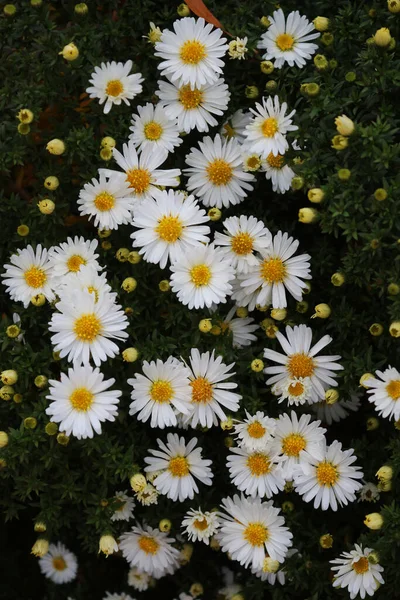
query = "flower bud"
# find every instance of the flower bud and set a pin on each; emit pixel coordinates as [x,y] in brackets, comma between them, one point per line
[30,423]
[393,6]
[227,425]
[62,439]
[297,183]
[183,10]
[23,129]
[38,300]
[364,378]
[196,589]
[315,195]
[51,183]
[251,92]
[205,325]
[308,215]
[41,381]
[129,284]
[3,439]
[56,147]
[134,257]
[10,10]
[385,473]
[40,527]
[344,125]
[106,245]
[350,76]
[312,89]
[270,332]
[108,545]
[385,486]
[265,22]
[70,52]
[287,507]
[164,285]
[17,398]
[6,392]
[25,116]
[122,254]
[214,543]
[373,521]
[130,354]
[344,174]
[270,565]
[326,541]
[9,377]
[186,553]
[267,67]
[331,396]
[382,37]
[394,329]
[214,214]
[373,557]
[327,40]
[321,23]
[229,442]
[339,142]
[106,154]
[302,307]
[271,86]
[338,279]
[40,547]
[81,8]
[138,482]
[376,329]
[165,525]
[242,312]
[46,206]
[279,314]
[393,289]
[321,62]
[51,428]
[257,365]
[322,311]
[108,142]
[372,424]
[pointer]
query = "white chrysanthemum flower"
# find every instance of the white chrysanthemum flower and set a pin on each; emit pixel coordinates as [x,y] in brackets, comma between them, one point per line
[149,550]
[199,525]
[296,390]
[278,172]
[256,472]
[153,128]
[123,596]
[112,84]
[235,126]
[181,464]
[88,279]
[201,277]
[384,392]
[138,579]
[81,402]
[168,225]
[109,202]
[251,162]
[242,237]
[333,413]
[357,573]
[71,255]
[216,173]
[237,48]
[251,529]
[368,493]
[296,440]
[301,360]
[255,432]
[330,481]
[288,41]
[29,274]
[266,132]
[194,107]
[124,510]
[241,295]
[163,388]
[277,271]
[192,52]
[148,495]
[59,564]
[241,328]
[211,392]
[83,327]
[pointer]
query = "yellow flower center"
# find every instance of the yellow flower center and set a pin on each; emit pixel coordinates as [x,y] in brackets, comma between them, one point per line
[393,389]
[269,127]
[114,88]
[139,179]
[161,391]
[293,444]
[296,389]
[361,565]
[276,162]
[87,327]
[190,99]
[300,365]
[75,262]
[256,430]
[327,474]
[81,399]
[229,131]
[178,466]
[153,131]
[35,277]
[169,229]
[242,243]
[192,52]
[148,544]
[104,201]
[253,162]
[258,464]
[93,290]
[256,534]
[273,270]
[284,41]
[200,524]
[202,390]
[219,172]
[200,275]
[59,563]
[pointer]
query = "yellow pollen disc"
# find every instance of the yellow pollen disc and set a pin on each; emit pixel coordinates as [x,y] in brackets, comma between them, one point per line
[81,399]
[229,131]
[256,430]
[258,464]
[200,275]
[35,277]
[190,99]
[293,444]
[153,131]
[139,179]
[200,524]
[192,52]
[161,391]
[92,290]
[273,270]
[59,563]
[253,162]
[87,327]
[276,162]
[300,365]
[361,565]
[393,389]
[169,229]
[269,127]
[296,389]
[219,172]
[114,88]
[178,466]
[285,41]
[242,243]
[75,262]
[327,474]
[104,201]
[202,390]
[256,534]
[148,544]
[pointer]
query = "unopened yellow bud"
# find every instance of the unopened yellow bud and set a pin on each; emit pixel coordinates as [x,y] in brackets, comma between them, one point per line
[106,154]
[134,257]
[106,245]
[9,10]
[130,354]
[382,37]
[104,233]
[322,311]
[270,565]
[3,439]
[344,174]
[196,589]
[38,300]
[13,331]
[164,285]
[25,116]
[344,125]
[122,254]
[321,62]
[385,473]
[242,312]
[364,378]
[41,381]
[257,365]
[9,377]
[394,6]
[321,23]
[262,308]
[214,214]
[6,392]
[339,142]
[270,332]
[108,142]
[40,527]
[63,439]
[265,22]
[30,423]
[165,525]
[376,329]
[385,486]
[315,195]
[138,482]
[23,230]
[227,424]
[70,52]
[267,67]
[279,314]
[214,543]
[46,206]
[312,89]
[373,521]
[302,307]
[51,182]
[129,284]
[393,289]
[108,545]
[183,10]
[297,183]
[81,8]
[326,541]
[394,329]
[51,428]
[205,325]
[251,92]
[374,558]
[331,396]
[338,279]
[372,424]
[23,129]
[56,147]
[40,547]
[215,330]
[287,506]
[17,398]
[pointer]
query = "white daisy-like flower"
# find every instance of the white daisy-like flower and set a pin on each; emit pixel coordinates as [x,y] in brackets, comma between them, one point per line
[153,128]
[235,126]
[255,432]
[242,237]
[163,387]
[168,225]
[278,172]
[59,564]
[29,274]
[71,255]
[88,279]
[296,390]
[138,579]
[180,464]
[256,472]
[251,529]
[242,329]
[241,296]
[123,596]
[83,328]
[277,271]
[368,493]
[216,173]
[81,402]
[384,392]
[108,202]
[356,572]
[199,525]
[148,495]
[301,360]
[125,506]
[330,481]
[211,392]
[288,41]
[112,84]
[237,48]
[192,52]
[266,132]
[193,108]
[202,276]
[149,550]
[333,413]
